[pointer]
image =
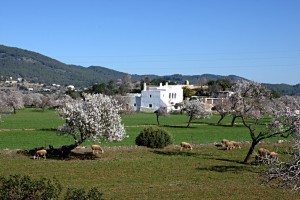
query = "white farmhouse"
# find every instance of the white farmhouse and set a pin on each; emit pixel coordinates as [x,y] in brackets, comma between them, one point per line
[151,98]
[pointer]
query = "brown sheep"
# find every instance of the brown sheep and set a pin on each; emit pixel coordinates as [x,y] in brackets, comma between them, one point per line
[185,145]
[274,156]
[229,145]
[96,148]
[236,144]
[263,152]
[224,141]
[40,153]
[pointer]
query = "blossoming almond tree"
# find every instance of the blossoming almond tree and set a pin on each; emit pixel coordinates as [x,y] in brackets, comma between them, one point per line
[96,117]
[11,101]
[196,110]
[223,107]
[286,173]
[253,103]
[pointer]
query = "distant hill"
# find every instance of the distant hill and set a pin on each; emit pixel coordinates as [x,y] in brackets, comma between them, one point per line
[293,90]
[37,68]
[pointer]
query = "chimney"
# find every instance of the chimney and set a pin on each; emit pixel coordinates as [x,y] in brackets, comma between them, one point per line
[160,84]
[167,83]
[145,86]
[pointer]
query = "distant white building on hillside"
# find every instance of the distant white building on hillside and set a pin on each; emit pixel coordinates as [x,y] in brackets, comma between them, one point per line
[151,98]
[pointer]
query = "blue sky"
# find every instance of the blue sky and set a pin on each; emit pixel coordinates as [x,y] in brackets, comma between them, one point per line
[256,39]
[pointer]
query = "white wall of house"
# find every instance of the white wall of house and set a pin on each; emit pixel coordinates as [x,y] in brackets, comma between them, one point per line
[151,98]
[135,101]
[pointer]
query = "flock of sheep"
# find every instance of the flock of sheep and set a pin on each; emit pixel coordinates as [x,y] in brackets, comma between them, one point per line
[263,155]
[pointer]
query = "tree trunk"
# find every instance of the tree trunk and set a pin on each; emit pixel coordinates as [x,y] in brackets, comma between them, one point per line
[190,119]
[233,120]
[251,150]
[157,116]
[222,117]
[66,150]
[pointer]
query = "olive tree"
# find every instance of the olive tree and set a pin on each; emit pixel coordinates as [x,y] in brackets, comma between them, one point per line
[196,110]
[96,117]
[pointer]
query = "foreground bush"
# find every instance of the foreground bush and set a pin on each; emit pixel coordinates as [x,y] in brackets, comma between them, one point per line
[93,194]
[23,187]
[154,137]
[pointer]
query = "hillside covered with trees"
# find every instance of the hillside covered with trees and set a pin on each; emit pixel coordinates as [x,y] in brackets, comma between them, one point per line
[37,68]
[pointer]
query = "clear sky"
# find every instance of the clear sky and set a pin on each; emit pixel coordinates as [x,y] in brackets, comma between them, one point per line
[256,39]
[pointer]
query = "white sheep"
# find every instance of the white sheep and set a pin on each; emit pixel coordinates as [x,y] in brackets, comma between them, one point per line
[96,148]
[40,153]
[185,145]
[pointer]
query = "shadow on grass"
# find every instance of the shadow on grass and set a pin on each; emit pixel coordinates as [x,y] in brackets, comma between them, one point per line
[176,126]
[227,168]
[228,125]
[40,110]
[47,129]
[174,153]
[62,153]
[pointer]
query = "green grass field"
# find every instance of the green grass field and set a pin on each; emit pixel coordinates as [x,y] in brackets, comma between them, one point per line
[128,172]
[31,128]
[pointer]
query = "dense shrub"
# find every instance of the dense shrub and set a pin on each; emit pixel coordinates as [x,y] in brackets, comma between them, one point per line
[154,137]
[23,187]
[73,193]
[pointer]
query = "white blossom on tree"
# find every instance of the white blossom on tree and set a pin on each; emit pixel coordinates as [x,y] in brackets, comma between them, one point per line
[223,107]
[252,103]
[161,111]
[287,173]
[33,99]
[11,101]
[96,117]
[124,101]
[196,110]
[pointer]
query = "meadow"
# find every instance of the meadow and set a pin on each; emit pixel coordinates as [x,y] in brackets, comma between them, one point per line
[125,171]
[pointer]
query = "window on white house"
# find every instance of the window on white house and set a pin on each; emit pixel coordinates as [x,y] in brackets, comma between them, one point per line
[150,105]
[150,95]
[134,105]
[170,95]
[175,96]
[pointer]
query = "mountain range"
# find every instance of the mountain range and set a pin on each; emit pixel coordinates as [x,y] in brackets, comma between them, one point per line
[38,68]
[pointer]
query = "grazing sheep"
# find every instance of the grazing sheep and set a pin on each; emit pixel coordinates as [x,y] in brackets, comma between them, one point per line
[263,152]
[236,144]
[266,156]
[96,148]
[273,156]
[185,145]
[229,145]
[40,153]
[224,141]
